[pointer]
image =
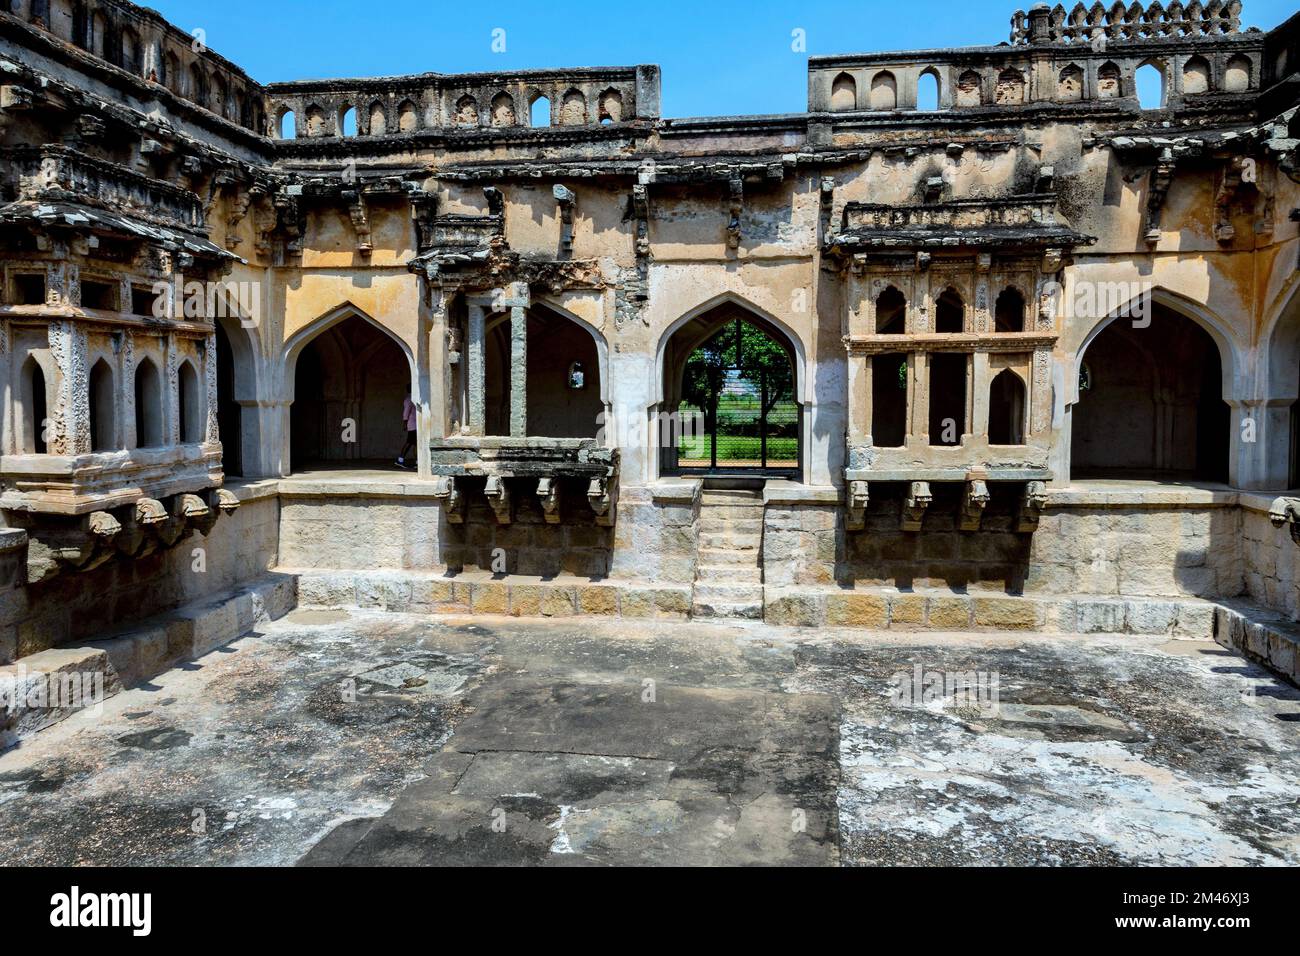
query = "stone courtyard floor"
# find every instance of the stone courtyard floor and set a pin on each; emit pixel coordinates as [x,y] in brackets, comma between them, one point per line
[371,738]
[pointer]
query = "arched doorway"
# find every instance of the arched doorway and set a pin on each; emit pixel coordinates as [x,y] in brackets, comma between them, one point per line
[350,382]
[229,411]
[562,380]
[731,391]
[1151,403]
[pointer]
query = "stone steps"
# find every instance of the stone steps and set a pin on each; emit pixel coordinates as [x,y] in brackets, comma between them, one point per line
[751,543]
[726,574]
[727,557]
[728,600]
[729,571]
[731,525]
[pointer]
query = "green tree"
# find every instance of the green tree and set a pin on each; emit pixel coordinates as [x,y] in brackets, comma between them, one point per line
[743,347]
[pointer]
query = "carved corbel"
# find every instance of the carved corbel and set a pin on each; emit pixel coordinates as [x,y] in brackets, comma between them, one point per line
[914,505]
[498,497]
[923,260]
[641,210]
[567,199]
[934,189]
[1032,503]
[139,524]
[496,202]
[15,99]
[238,213]
[855,511]
[359,213]
[602,495]
[198,512]
[448,492]
[1162,175]
[424,210]
[973,505]
[1237,180]
[736,207]
[1285,513]
[548,491]
[291,218]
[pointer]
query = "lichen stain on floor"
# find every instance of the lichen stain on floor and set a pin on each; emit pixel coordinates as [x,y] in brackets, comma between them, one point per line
[370,738]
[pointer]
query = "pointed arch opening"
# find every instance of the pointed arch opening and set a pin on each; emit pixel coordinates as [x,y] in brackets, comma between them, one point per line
[1008,406]
[148,406]
[1150,85]
[34,397]
[539,111]
[1009,311]
[351,380]
[731,397]
[103,408]
[190,405]
[950,312]
[928,91]
[891,312]
[1151,403]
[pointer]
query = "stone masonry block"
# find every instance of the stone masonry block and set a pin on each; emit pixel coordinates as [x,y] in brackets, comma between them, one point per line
[847,609]
[1006,613]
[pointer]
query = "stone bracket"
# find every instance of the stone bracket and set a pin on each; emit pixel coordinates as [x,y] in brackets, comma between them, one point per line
[1285,513]
[446,490]
[1032,503]
[602,495]
[498,497]
[641,212]
[548,490]
[855,511]
[566,199]
[973,504]
[914,505]
[736,206]
[359,212]
[424,210]
[1237,185]
[1162,176]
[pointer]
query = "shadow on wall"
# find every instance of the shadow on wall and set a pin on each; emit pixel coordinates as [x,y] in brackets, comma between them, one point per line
[528,545]
[940,555]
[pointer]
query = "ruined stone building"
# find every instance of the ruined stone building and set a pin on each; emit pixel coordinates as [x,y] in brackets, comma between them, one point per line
[980,340]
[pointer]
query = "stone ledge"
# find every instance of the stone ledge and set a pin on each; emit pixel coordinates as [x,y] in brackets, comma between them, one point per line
[780,492]
[1260,635]
[891,609]
[484,593]
[679,490]
[33,692]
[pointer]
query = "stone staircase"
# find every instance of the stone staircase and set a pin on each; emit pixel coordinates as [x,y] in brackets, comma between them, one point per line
[729,571]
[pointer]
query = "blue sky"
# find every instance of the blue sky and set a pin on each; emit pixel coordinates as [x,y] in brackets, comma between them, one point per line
[717,59]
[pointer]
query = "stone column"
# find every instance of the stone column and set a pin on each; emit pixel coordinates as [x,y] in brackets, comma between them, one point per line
[981,376]
[171,399]
[518,302]
[918,395]
[69,432]
[211,433]
[475,344]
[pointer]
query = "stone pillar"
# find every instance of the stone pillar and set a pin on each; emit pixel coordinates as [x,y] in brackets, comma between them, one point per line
[1040,393]
[171,403]
[475,345]
[1265,463]
[981,376]
[518,302]
[918,399]
[69,432]
[860,410]
[211,433]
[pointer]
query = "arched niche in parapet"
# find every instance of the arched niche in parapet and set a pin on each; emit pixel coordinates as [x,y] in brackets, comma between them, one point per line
[197,87]
[98,34]
[503,110]
[844,93]
[1069,84]
[1196,76]
[172,72]
[466,113]
[573,109]
[1237,74]
[970,89]
[347,123]
[220,96]
[314,117]
[286,124]
[929,90]
[1010,89]
[378,124]
[1149,82]
[1109,83]
[884,91]
[610,106]
[539,111]
[132,51]
[408,117]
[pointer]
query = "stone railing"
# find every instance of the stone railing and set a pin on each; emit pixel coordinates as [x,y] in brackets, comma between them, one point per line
[1017,211]
[591,96]
[1119,23]
[60,174]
